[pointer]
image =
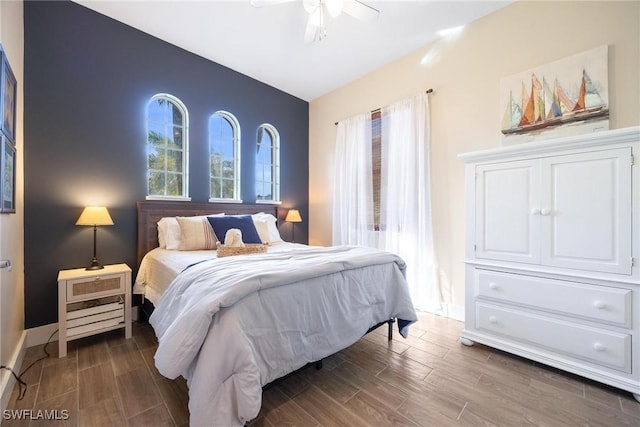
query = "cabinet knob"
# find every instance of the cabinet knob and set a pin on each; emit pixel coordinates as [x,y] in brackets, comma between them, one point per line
[493,285]
[545,211]
[493,319]
[535,211]
[599,347]
[599,304]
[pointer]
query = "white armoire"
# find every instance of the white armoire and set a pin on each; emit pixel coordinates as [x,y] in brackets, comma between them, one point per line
[552,248]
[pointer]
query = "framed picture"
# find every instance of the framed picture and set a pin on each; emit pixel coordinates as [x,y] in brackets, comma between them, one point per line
[8,100]
[569,96]
[7,177]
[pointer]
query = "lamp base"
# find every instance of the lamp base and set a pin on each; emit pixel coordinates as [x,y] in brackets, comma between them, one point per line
[95,265]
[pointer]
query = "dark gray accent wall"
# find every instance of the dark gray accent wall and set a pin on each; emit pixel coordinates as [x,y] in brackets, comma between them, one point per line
[88,79]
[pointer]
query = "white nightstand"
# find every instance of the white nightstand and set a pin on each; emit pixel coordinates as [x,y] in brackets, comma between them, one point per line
[93,301]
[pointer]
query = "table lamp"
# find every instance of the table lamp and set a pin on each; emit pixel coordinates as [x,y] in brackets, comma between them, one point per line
[293,216]
[94,215]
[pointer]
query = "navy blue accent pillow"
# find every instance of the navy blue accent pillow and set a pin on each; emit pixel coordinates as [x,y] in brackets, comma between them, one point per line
[244,223]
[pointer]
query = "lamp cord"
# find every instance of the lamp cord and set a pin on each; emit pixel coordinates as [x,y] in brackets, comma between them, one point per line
[21,383]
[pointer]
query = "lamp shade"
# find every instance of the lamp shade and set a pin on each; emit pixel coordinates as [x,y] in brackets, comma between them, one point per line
[95,215]
[293,216]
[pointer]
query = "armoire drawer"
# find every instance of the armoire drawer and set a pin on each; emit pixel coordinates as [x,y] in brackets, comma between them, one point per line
[599,346]
[592,302]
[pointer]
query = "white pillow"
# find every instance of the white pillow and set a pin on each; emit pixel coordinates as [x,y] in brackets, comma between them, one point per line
[266,226]
[263,229]
[196,233]
[169,233]
[162,240]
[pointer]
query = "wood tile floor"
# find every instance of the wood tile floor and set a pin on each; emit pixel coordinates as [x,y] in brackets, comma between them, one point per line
[429,379]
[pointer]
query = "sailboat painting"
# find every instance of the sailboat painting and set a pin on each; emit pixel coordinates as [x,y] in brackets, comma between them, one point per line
[565,97]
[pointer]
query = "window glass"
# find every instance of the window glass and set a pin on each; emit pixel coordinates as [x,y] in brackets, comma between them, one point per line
[267,170]
[224,157]
[166,147]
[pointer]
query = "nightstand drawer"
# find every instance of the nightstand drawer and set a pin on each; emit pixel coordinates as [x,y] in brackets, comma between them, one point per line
[94,287]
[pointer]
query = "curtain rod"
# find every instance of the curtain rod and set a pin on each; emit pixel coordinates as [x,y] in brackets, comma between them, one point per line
[378,109]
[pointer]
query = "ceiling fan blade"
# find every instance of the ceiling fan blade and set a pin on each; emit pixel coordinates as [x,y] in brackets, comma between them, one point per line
[262,3]
[360,10]
[313,28]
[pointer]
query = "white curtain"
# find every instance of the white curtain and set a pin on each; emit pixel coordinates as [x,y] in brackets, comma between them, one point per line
[353,193]
[405,204]
[405,199]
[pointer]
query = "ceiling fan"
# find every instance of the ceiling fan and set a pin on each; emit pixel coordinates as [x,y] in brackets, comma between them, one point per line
[317,10]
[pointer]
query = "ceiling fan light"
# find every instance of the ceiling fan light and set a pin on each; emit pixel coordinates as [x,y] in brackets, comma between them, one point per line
[334,7]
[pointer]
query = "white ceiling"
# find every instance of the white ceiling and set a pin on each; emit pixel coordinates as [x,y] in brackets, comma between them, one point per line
[267,44]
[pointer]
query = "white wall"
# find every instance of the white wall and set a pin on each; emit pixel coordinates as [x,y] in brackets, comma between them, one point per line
[465,75]
[12,225]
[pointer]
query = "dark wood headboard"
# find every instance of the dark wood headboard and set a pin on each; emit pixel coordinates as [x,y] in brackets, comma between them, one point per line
[150,212]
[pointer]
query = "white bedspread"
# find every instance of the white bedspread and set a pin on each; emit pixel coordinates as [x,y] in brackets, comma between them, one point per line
[231,325]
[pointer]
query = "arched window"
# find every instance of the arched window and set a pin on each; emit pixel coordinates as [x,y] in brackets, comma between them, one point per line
[267,165]
[167,148]
[224,158]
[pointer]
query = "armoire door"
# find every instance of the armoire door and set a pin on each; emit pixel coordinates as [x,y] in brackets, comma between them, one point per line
[507,227]
[586,211]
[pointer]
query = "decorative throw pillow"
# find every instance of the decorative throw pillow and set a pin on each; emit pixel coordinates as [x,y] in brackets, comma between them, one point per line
[195,234]
[242,222]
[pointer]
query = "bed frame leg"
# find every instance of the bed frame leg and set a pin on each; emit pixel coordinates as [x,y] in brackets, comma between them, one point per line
[390,333]
[319,365]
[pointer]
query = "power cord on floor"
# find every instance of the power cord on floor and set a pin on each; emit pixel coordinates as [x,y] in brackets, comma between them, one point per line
[21,383]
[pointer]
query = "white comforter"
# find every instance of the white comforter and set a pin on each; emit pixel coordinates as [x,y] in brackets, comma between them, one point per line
[231,325]
[160,267]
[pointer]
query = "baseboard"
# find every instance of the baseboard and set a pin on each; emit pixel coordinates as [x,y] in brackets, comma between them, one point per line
[7,380]
[41,334]
[455,312]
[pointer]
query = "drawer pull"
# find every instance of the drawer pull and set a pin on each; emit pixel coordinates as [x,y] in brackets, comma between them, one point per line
[493,285]
[599,347]
[599,304]
[493,319]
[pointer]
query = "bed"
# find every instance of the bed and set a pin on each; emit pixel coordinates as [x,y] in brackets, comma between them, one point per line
[231,325]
